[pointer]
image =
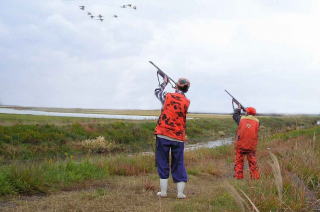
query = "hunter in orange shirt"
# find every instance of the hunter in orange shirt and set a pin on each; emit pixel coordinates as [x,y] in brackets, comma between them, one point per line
[246,142]
[170,136]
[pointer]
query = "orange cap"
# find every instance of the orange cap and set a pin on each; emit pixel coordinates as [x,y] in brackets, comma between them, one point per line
[251,111]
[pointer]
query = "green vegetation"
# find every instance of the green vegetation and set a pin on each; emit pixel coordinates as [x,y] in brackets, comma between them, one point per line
[49,156]
[48,141]
[35,178]
[211,185]
[14,119]
[56,137]
[47,176]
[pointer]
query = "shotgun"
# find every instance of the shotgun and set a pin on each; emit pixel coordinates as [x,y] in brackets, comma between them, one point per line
[234,100]
[163,75]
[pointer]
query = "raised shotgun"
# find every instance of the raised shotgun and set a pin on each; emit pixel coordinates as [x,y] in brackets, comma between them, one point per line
[234,100]
[163,75]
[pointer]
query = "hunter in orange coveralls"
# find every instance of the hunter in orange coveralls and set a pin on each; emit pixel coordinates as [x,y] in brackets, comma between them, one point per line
[246,142]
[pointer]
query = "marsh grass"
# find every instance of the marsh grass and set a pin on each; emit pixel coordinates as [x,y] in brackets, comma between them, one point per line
[99,145]
[26,137]
[130,181]
[277,174]
[130,166]
[51,175]
[250,201]
[237,197]
[45,177]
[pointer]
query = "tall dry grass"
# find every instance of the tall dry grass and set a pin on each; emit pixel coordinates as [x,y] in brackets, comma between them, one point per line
[99,145]
[236,196]
[277,174]
[240,197]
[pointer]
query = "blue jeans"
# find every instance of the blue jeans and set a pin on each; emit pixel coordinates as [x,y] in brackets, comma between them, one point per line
[178,170]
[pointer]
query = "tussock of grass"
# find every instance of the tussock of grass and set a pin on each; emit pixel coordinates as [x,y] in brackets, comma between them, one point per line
[248,198]
[277,174]
[41,178]
[99,145]
[51,175]
[200,162]
[131,166]
[237,197]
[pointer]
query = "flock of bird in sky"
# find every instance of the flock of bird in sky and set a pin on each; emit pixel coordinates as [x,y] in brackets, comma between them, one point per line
[100,17]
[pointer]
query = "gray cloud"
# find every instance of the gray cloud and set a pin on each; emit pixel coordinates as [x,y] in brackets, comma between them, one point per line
[265,52]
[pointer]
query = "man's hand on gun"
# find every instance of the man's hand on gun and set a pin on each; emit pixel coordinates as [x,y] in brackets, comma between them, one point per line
[237,103]
[165,81]
[238,109]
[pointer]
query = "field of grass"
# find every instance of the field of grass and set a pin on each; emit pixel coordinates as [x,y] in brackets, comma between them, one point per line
[288,162]
[17,119]
[95,111]
[89,162]
[27,137]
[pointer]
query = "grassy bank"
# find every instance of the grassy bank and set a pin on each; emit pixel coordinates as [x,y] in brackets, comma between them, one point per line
[60,137]
[49,176]
[123,183]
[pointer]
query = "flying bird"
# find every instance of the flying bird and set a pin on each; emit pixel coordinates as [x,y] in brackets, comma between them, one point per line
[82,7]
[100,19]
[91,16]
[100,16]
[115,16]
[123,6]
[129,5]
[134,7]
[89,13]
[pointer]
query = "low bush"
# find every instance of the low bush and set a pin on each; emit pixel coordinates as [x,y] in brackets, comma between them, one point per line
[99,145]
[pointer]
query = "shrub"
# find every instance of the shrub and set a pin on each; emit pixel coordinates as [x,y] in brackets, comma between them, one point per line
[98,145]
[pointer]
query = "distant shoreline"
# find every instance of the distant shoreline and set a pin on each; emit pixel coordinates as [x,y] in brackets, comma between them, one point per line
[141,112]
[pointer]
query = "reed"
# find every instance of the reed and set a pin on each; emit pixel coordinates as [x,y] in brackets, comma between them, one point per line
[277,174]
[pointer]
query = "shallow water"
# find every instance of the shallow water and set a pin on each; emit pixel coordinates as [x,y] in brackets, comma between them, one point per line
[209,144]
[82,115]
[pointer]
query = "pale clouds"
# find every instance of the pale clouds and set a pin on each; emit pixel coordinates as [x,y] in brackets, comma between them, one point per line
[266,52]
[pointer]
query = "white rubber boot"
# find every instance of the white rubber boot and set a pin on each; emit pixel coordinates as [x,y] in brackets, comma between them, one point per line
[163,188]
[180,189]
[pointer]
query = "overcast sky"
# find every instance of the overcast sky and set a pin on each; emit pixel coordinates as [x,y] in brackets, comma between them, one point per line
[265,52]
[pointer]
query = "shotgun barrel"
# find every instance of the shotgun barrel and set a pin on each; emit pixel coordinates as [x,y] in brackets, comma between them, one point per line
[236,101]
[163,75]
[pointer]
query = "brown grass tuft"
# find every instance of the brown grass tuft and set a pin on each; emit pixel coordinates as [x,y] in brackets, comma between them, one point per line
[248,198]
[277,174]
[236,196]
[98,145]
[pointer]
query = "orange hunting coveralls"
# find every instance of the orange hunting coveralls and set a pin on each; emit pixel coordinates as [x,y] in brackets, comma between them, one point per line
[245,146]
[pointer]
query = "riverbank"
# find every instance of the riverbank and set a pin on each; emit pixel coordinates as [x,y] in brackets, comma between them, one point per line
[27,137]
